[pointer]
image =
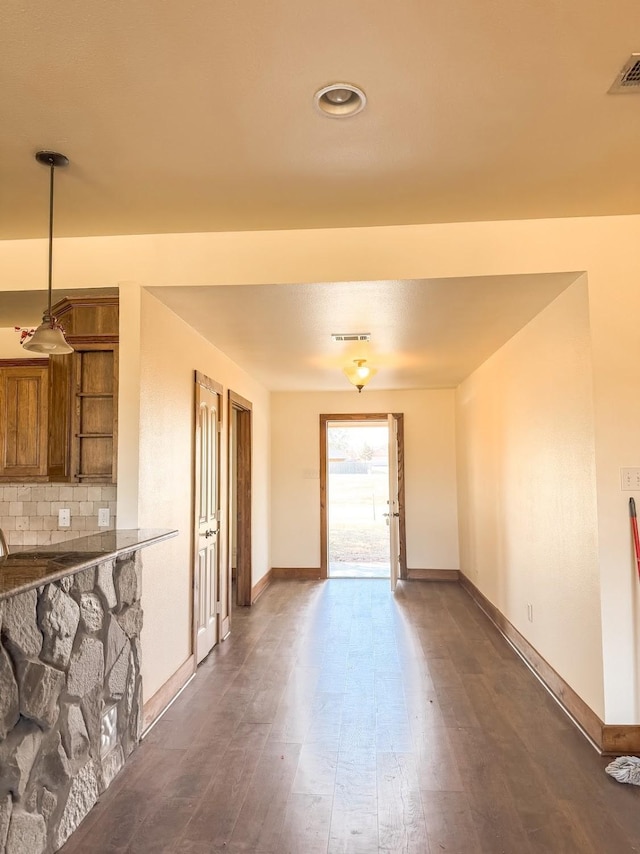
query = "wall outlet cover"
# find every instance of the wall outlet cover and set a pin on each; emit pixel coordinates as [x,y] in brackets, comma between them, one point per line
[64,518]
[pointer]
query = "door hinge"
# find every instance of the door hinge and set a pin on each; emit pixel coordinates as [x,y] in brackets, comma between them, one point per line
[218,607]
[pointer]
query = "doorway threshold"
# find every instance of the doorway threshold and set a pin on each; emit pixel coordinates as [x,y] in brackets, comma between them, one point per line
[342,569]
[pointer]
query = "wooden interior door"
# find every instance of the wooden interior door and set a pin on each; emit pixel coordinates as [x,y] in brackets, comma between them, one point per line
[207,515]
[394,503]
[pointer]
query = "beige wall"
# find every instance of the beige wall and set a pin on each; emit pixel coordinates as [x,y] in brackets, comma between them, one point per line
[607,248]
[10,347]
[432,539]
[526,480]
[169,353]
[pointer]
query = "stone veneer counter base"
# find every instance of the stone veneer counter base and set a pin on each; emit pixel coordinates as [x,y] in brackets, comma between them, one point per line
[70,684]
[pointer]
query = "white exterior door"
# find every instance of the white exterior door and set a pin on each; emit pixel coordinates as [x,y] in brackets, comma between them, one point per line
[394,503]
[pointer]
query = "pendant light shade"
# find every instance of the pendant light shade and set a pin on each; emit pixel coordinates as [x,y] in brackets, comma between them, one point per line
[359,373]
[49,338]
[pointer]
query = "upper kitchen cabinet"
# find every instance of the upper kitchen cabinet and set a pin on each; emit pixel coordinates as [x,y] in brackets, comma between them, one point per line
[23,419]
[83,393]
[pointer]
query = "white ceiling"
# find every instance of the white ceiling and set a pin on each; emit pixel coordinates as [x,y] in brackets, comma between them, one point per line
[198,116]
[424,333]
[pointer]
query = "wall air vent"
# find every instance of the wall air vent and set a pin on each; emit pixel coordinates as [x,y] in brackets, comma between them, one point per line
[351,336]
[628,80]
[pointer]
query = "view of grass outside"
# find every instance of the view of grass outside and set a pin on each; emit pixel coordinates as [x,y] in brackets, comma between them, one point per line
[358,495]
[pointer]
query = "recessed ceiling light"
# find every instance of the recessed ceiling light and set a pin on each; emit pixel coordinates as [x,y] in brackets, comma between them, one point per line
[340,100]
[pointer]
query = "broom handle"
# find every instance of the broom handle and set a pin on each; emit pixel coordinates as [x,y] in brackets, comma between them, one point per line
[634,528]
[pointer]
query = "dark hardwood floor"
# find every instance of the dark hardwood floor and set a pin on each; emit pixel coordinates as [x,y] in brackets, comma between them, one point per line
[340,719]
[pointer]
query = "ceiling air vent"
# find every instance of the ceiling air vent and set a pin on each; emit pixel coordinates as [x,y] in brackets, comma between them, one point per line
[628,80]
[351,336]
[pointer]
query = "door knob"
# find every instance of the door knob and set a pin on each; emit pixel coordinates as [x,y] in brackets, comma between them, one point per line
[210,532]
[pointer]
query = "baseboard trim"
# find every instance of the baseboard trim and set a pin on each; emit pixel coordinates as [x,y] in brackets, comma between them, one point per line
[433,575]
[608,739]
[260,586]
[620,739]
[164,696]
[296,573]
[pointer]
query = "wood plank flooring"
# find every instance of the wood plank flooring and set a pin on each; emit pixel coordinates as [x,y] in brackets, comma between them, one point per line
[338,719]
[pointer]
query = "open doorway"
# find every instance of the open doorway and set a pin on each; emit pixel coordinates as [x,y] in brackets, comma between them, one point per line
[356,517]
[358,499]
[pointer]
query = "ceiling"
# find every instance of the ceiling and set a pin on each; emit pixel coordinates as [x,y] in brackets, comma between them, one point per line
[199,116]
[424,333]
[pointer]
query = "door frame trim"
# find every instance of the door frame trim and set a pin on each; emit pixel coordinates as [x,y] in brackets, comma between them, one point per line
[367,416]
[243,477]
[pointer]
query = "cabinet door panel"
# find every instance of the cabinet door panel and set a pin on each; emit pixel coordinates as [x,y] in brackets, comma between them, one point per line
[23,422]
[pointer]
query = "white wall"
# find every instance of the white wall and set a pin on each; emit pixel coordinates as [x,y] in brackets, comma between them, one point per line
[430,472]
[526,479]
[170,351]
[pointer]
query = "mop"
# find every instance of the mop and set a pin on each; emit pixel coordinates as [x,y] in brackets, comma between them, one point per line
[626,769]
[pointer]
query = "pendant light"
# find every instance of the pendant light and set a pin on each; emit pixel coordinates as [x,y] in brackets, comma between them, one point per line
[359,373]
[49,337]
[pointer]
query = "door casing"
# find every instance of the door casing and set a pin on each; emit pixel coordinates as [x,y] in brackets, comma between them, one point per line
[241,474]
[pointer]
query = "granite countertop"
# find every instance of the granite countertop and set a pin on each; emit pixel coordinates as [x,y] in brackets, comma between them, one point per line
[25,570]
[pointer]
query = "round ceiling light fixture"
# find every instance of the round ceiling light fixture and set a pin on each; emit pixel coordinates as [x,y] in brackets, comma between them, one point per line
[340,100]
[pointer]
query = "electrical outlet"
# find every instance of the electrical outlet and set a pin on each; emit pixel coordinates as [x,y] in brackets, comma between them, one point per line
[64,518]
[529,612]
[103,517]
[630,480]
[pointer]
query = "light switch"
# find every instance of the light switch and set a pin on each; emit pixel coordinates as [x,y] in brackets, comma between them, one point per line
[103,517]
[64,518]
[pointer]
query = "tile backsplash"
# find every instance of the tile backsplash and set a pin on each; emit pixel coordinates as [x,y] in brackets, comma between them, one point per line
[29,511]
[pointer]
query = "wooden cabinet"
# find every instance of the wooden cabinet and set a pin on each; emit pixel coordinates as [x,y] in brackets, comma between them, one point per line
[83,395]
[23,419]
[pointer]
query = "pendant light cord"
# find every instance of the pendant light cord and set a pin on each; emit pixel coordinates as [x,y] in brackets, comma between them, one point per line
[51,236]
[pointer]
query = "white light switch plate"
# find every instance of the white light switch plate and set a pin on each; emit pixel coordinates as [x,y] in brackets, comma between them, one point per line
[103,517]
[64,518]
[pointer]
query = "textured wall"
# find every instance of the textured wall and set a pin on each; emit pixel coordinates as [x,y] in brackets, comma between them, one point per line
[167,394]
[526,463]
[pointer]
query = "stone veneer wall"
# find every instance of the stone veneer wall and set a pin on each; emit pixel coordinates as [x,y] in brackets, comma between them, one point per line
[68,651]
[29,511]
